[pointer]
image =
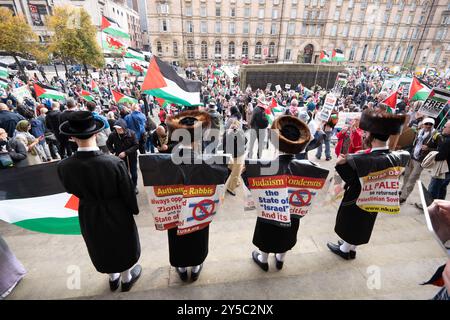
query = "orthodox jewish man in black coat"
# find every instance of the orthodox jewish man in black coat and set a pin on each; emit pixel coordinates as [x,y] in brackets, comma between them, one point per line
[185,169]
[283,194]
[107,202]
[371,182]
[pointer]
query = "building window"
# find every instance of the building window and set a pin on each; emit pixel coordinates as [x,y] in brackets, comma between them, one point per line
[273,29]
[405,33]
[312,30]
[262,1]
[232,28]
[440,34]
[204,49]
[314,3]
[203,11]
[218,27]
[276,2]
[413,6]
[351,4]
[333,30]
[247,12]
[245,48]
[398,55]
[305,15]
[410,19]
[370,32]
[397,19]
[364,53]
[258,48]
[304,29]
[381,32]
[203,27]
[415,33]
[217,11]
[336,15]
[275,14]
[175,49]
[287,54]
[437,56]
[260,29]
[190,26]
[294,2]
[261,13]
[339,3]
[322,3]
[245,28]
[164,26]
[307,3]
[409,53]
[348,16]
[319,31]
[218,49]
[363,4]
[190,50]
[389,4]
[291,28]
[345,31]
[231,50]
[376,51]
[272,49]
[293,14]
[401,4]
[351,57]
[159,47]
[163,8]
[393,34]
[189,11]
[387,54]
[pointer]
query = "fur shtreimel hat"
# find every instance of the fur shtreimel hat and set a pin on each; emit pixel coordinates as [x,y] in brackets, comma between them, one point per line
[293,134]
[382,123]
[189,120]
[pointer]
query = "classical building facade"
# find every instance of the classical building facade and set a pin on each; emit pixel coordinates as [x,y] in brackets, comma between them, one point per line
[370,32]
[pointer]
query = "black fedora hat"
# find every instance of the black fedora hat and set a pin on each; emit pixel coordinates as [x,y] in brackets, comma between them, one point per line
[81,124]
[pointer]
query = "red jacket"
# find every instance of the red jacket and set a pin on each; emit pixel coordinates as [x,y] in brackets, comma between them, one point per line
[355,141]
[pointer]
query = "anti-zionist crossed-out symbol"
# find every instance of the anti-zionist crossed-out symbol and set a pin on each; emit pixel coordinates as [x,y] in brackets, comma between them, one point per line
[301,202]
[201,205]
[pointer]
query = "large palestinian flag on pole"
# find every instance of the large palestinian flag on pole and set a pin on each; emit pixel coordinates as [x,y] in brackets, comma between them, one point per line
[86,95]
[121,98]
[43,91]
[111,27]
[418,90]
[337,55]
[134,54]
[33,198]
[162,81]
[324,57]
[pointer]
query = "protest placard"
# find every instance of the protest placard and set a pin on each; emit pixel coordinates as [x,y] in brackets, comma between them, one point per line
[328,106]
[436,101]
[287,86]
[345,118]
[268,87]
[21,92]
[278,87]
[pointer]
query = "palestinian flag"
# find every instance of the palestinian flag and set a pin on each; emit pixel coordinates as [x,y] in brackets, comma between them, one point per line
[111,27]
[4,72]
[418,90]
[391,101]
[43,91]
[94,86]
[162,102]
[86,95]
[439,95]
[337,55]
[121,98]
[162,81]
[33,198]
[113,45]
[324,57]
[134,54]
[4,83]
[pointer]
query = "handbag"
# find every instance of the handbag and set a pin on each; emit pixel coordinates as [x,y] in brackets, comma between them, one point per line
[6,160]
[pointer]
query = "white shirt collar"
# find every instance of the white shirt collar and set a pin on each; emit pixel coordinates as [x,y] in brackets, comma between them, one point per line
[86,149]
[380,148]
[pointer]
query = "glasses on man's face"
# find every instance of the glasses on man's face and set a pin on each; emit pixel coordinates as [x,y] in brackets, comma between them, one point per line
[428,124]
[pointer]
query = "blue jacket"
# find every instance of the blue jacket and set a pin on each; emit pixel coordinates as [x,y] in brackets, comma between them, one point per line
[8,121]
[101,118]
[37,128]
[136,122]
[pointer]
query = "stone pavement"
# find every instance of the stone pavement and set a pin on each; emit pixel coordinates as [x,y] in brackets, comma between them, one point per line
[401,250]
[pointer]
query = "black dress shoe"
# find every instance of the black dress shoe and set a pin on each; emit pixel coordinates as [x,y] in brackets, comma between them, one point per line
[195,275]
[264,266]
[337,250]
[183,275]
[114,285]
[352,252]
[278,263]
[135,274]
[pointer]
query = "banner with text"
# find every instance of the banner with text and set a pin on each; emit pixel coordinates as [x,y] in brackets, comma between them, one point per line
[436,101]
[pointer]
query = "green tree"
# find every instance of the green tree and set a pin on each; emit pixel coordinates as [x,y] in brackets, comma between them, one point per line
[74,37]
[17,38]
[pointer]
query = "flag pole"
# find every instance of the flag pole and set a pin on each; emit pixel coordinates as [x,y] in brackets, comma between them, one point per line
[317,71]
[445,117]
[328,77]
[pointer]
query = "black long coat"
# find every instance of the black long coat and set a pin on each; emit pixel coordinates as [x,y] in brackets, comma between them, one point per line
[107,205]
[353,224]
[271,238]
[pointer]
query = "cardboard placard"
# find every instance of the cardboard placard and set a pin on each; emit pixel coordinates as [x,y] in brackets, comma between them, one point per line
[328,106]
[436,101]
[278,87]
